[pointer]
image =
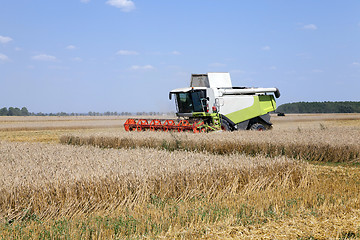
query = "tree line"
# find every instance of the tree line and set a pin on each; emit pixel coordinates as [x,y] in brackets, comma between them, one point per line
[320,107]
[14,111]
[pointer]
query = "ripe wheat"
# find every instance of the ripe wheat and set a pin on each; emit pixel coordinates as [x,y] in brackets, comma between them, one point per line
[58,180]
[320,145]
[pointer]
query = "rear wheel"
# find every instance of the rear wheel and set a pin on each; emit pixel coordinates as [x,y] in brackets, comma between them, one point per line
[225,126]
[257,127]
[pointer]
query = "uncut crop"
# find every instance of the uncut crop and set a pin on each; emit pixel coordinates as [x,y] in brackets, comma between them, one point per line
[326,145]
[45,181]
[61,174]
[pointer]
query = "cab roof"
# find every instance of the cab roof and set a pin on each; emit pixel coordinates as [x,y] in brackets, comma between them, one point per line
[182,90]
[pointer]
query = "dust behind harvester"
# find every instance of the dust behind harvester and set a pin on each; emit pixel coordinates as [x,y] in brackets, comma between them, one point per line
[211,103]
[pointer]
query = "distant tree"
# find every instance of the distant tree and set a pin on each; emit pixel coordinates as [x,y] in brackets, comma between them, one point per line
[24,112]
[345,109]
[3,111]
[14,111]
[320,107]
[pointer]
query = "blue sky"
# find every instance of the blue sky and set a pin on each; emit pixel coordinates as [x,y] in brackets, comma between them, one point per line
[122,55]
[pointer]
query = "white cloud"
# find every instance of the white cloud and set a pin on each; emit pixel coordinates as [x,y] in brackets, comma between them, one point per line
[84,1]
[18,49]
[127,53]
[146,67]
[44,57]
[3,57]
[124,5]
[70,47]
[266,48]
[176,53]
[5,39]
[356,64]
[310,27]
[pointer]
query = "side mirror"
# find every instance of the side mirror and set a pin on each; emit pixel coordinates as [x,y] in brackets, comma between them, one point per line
[170,95]
[277,93]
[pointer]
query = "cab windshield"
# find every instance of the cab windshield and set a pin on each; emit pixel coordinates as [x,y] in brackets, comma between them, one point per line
[188,102]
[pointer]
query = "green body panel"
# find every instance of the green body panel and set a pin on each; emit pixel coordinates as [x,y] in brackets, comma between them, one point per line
[203,114]
[215,123]
[262,105]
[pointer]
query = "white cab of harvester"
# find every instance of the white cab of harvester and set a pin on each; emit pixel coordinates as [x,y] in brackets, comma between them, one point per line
[211,80]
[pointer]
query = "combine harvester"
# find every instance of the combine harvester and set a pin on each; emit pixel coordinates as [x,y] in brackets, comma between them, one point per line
[211,103]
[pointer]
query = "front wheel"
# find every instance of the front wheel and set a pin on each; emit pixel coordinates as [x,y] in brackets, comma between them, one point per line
[257,127]
[225,126]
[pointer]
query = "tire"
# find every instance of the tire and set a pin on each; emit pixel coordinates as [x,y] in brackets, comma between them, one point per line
[225,126]
[258,127]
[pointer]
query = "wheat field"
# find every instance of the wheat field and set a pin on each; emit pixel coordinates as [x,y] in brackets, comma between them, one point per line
[86,178]
[328,145]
